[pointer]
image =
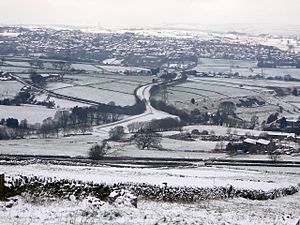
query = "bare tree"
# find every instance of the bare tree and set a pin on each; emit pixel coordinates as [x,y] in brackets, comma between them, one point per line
[84,128]
[2,61]
[254,121]
[227,108]
[228,131]
[116,133]
[48,127]
[217,147]
[274,157]
[62,118]
[147,139]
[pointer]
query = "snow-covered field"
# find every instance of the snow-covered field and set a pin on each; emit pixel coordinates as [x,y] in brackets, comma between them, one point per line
[60,103]
[282,211]
[209,89]
[182,177]
[71,146]
[9,89]
[226,63]
[79,146]
[102,88]
[189,146]
[126,88]
[261,112]
[259,84]
[18,64]
[243,67]
[220,130]
[108,68]
[14,69]
[98,95]
[86,67]
[122,69]
[210,92]
[85,79]
[33,113]
[57,85]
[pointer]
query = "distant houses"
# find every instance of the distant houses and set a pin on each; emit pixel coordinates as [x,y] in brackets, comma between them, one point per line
[285,124]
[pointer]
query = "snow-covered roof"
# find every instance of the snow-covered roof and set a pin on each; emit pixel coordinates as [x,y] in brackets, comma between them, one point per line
[45,75]
[292,120]
[263,142]
[259,141]
[250,141]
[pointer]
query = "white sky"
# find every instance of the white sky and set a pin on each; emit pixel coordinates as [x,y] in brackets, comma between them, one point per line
[132,13]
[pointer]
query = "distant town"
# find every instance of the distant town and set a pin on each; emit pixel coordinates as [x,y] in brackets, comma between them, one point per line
[142,49]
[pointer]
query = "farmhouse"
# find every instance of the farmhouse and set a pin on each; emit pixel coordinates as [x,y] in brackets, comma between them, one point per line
[250,145]
[285,124]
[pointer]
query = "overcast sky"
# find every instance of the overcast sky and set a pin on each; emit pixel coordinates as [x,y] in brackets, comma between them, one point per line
[134,13]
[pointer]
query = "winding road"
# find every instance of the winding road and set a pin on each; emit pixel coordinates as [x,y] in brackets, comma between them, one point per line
[143,93]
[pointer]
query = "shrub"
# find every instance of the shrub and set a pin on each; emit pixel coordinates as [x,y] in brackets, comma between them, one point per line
[205,132]
[116,133]
[97,151]
[195,132]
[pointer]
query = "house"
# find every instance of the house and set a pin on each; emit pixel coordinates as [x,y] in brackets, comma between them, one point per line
[258,146]
[250,145]
[286,124]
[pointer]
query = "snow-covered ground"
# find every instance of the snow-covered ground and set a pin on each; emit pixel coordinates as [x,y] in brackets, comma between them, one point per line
[210,92]
[122,69]
[71,146]
[60,103]
[14,69]
[79,146]
[33,113]
[98,95]
[9,89]
[175,177]
[18,64]
[194,146]
[86,67]
[282,211]
[243,67]
[221,130]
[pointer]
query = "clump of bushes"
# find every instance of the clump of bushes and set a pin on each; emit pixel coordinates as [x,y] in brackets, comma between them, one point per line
[97,151]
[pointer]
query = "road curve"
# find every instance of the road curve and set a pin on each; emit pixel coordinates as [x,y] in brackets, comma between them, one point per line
[144,94]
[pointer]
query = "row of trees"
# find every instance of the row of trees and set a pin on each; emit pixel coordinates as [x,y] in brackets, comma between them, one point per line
[76,120]
[79,119]
[11,128]
[22,97]
[156,125]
